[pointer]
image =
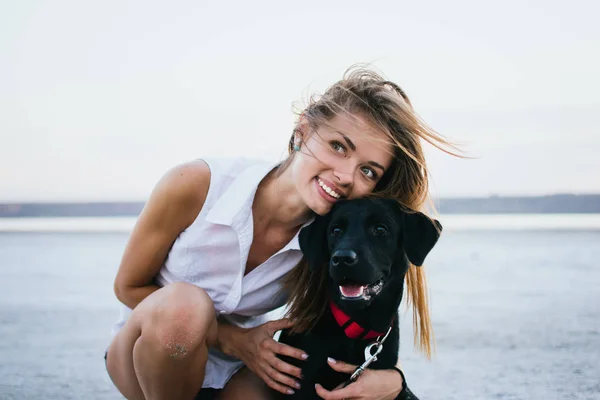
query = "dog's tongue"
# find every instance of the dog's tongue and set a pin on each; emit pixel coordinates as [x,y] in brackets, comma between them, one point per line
[350,290]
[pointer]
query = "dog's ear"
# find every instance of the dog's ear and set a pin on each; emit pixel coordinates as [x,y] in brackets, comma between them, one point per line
[420,235]
[313,242]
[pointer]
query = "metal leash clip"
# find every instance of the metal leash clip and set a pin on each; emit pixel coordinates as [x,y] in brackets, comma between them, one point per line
[369,359]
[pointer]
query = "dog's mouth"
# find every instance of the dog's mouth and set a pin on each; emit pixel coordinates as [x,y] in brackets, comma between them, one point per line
[355,291]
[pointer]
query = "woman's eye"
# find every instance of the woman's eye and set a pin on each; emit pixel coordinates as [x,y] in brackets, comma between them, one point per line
[338,147]
[336,231]
[379,230]
[369,173]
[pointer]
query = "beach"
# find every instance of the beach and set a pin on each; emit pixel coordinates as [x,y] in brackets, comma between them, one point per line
[516,314]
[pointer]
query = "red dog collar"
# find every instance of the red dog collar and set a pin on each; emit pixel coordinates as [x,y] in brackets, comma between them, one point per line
[351,328]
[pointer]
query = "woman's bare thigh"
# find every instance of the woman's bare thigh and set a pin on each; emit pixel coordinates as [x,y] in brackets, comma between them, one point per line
[244,384]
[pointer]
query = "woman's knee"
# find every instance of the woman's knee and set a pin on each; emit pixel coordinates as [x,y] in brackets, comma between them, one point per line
[167,330]
[181,318]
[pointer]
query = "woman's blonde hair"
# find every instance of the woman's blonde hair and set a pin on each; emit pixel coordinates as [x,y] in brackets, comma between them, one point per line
[385,106]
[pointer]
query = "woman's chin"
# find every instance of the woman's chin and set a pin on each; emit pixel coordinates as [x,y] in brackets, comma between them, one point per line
[318,206]
[322,211]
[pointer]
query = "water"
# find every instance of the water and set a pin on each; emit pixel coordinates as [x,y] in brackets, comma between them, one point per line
[516,314]
[481,222]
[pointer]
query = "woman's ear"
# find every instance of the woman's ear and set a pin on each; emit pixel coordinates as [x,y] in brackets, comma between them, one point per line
[313,242]
[302,129]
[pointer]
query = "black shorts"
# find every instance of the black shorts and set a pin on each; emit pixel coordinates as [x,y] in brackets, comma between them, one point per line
[203,394]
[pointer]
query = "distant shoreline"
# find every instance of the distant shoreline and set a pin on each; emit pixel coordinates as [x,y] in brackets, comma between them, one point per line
[551,204]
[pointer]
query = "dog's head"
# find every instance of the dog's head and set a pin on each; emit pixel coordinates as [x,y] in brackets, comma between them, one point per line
[367,244]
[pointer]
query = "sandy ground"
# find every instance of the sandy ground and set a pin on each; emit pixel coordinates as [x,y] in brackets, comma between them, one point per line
[516,316]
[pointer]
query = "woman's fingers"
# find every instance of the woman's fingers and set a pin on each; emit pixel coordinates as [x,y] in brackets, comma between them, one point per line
[276,373]
[286,350]
[277,348]
[286,368]
[283,378]
[275,385]
[349,391]
[341,366]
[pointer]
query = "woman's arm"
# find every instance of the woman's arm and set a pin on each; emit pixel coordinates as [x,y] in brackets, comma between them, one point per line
[173,205]
[383,384]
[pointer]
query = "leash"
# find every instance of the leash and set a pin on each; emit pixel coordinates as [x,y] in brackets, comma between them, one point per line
[369,357]
[355,331]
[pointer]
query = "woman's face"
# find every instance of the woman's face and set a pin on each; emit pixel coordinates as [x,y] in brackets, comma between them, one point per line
[342,160]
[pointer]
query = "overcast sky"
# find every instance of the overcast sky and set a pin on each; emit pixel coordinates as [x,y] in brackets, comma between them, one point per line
[99,99]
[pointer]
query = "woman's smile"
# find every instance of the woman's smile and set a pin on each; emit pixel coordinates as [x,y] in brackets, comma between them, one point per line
[327,190]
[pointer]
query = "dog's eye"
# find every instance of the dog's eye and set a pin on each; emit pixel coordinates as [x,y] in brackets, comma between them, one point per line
[336,231]
[379,230]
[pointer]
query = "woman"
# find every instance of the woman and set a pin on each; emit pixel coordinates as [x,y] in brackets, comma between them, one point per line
[216,238]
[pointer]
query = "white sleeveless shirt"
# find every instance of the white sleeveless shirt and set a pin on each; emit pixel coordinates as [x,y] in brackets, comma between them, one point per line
[212,254]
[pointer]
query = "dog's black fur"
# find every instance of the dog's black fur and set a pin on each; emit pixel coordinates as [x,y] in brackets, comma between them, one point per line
[363,241]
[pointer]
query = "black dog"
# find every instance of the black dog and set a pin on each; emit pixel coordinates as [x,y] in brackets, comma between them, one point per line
[366,244]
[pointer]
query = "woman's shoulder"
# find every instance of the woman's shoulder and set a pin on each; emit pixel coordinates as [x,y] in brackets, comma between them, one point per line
[231,167]
[194,176]
[183,189]
[194,186]
[202,181]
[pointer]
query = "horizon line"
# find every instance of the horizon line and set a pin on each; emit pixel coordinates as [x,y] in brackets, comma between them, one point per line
[462,197]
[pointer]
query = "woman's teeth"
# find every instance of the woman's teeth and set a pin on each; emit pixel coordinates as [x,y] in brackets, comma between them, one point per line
[329,190]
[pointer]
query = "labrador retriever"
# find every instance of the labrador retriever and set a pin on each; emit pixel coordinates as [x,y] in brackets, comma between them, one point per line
[366,245]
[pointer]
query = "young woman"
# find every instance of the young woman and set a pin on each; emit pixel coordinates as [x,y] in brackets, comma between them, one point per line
[216,238]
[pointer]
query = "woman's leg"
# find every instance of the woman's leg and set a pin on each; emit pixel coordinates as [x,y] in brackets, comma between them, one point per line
[245,385]
[161,352]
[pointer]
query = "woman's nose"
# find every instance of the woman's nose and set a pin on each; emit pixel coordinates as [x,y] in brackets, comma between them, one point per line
[343,178]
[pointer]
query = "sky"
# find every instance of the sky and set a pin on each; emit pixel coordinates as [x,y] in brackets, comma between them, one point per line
[99,99]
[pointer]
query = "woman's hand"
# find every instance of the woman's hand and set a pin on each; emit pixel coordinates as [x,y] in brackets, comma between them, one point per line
[258,350]
[372,384]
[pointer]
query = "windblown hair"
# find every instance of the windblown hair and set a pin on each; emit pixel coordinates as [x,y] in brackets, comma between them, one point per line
[386,107]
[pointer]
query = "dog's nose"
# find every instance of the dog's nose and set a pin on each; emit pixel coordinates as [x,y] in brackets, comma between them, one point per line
[345,257]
